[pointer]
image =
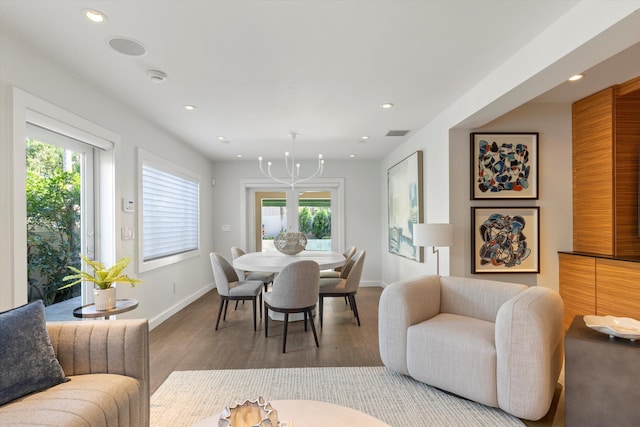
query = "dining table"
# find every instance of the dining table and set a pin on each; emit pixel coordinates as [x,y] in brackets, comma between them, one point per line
[274,262]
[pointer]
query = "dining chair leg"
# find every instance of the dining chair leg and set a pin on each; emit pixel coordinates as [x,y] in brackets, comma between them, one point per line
[254,314]
[219,312]
[354,307]
[305,321]
[321,309]
[236,305]
[266,321]
[261,305]
[284,337]
[313,328]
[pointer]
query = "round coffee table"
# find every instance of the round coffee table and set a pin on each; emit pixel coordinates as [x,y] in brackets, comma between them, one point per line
[312,413]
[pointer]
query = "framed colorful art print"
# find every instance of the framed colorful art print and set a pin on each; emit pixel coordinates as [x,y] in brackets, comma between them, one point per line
[504,165]
[505,239]
[404,182]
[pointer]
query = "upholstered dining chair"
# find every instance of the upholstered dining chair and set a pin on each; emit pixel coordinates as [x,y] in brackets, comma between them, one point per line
[346,286]
[295,290]
[230,287]
[264,276]
[337,272]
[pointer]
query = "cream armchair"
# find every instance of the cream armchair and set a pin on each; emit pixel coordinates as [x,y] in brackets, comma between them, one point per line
[499,344]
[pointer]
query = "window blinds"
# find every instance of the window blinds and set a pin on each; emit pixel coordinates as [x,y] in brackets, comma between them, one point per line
[170,213]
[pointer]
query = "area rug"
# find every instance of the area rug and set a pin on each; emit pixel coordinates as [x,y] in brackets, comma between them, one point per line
[187,397]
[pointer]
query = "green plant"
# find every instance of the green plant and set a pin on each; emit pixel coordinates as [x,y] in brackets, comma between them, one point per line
[53,218]
[322,223]
[102,276]
[304,220]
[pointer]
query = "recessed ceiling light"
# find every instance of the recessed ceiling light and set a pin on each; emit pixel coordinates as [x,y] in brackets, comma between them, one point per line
[221,138]
[352,155]
[94,15]
[575,77]
[127,46]
[386,106]
[189,107]
[364,138]
[239,156]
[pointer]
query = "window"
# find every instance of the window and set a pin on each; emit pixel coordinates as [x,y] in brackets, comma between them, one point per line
[169,215]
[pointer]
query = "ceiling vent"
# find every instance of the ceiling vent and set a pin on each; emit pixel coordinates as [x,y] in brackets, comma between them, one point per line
[156,76]
[397,132]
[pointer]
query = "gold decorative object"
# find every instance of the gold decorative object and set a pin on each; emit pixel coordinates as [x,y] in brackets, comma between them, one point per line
[250,413]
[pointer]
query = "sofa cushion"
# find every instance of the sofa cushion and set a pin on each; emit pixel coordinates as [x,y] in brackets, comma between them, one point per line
[455,353]
[26,356]
[87,400]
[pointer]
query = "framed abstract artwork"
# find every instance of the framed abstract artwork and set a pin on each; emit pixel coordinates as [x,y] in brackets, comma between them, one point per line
[404,183]
[504,165]
[505,239]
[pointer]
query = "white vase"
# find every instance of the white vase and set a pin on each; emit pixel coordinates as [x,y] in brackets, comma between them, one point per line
[104,299]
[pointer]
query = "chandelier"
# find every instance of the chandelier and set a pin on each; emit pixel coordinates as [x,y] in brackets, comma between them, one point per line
[293,168]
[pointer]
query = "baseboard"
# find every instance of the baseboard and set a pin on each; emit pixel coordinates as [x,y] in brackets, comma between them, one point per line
[370,284]
[157,321]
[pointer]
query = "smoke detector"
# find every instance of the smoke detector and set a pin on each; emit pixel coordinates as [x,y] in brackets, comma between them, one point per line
[156,76]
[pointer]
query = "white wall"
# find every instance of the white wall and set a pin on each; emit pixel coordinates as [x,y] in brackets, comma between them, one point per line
[553,122]
[33,73]
[587,35]
[362,206]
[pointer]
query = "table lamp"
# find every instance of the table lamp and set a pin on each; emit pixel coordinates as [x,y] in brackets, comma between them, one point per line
[434,235]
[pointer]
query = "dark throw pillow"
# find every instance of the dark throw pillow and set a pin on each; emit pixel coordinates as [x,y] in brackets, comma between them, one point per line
[27,360]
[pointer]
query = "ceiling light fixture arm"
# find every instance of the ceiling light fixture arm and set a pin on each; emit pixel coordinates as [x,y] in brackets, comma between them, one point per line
[293,168]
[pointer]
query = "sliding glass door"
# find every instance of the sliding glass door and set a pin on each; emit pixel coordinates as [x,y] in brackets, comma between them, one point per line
[60,212]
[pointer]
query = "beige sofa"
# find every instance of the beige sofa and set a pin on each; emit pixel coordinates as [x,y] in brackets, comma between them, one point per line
[107,362]
[497,343]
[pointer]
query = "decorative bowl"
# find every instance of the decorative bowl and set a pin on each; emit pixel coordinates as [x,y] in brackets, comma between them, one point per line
[290,243]
[621,327]
[250,413]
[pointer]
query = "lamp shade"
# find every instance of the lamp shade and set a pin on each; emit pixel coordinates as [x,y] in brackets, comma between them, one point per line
[436,235]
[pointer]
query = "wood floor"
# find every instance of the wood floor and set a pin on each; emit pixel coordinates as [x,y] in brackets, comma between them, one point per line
[189,341]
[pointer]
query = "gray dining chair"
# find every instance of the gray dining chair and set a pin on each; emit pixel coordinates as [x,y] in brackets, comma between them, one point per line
[231,288]
[344,286]
[264,276]
[337,272]
[295,290]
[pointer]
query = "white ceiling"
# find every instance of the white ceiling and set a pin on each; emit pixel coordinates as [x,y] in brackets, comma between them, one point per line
[257,69]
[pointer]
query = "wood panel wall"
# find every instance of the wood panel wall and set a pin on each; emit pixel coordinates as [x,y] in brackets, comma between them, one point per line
[627,152]
[593,166]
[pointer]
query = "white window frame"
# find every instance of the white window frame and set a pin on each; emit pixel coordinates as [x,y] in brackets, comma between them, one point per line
[30,108]
[248,188]
[159,163]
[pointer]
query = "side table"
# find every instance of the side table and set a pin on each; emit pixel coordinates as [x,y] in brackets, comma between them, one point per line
[89,310]
[602,377]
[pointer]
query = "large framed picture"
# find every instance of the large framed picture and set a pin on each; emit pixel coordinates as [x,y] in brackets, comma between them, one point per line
[405,206]
[505,239]
[504,165]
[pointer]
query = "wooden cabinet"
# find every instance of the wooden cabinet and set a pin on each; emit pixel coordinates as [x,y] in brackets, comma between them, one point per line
[606,149]
[600,286]
[600,277]
[577,286]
